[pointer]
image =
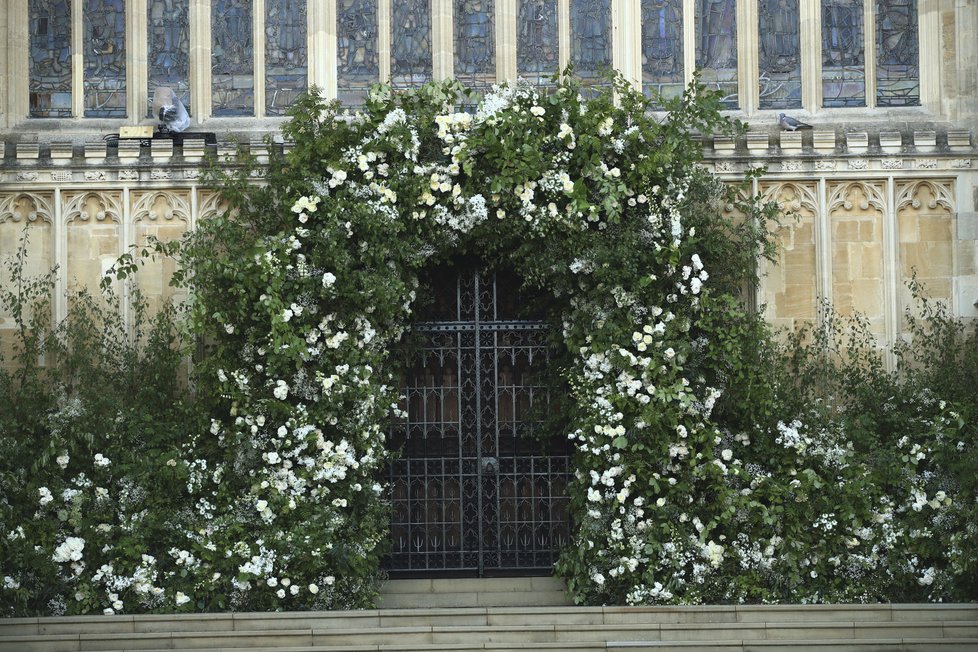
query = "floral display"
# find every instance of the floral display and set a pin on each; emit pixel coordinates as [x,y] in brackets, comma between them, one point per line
[704,471]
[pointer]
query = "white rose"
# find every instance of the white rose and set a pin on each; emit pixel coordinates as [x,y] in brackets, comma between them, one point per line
[313,589]
[182,598]
[329,279]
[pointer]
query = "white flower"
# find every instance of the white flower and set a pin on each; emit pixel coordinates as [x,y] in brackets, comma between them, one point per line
[45,494]
[281,391]
[537,110]
[670,353]
[10,583]
[62,460]
[280,593]
[313,589]
[261,505]
[726,454]
[329,279]
[182,598]
[101,460]
[70,550]
[272,457]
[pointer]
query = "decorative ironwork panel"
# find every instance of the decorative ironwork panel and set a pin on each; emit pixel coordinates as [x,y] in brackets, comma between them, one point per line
[410,42]
[476,489]
[779,27]
[285,54]
[475,42]
[662,48]
[843,61]
[897,66]
[168,38]
[104,25]
[50,58]
[232,58]
[716,47]
[357,63]
[537,49]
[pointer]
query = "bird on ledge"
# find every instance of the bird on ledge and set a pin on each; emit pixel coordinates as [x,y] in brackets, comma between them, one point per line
[790,124]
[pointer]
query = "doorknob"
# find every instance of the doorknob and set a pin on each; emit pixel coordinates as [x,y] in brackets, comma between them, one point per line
[490,465]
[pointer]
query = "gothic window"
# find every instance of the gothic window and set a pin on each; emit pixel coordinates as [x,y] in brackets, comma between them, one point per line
[475,52]
[168,41]
[232,58]
[357,63]
[897,69]
[779,34]
[285,54]
[662,48]
[590,37]
[843,60]
[537,52]
[50,59]
[410,42]
[104,26]
[716,47]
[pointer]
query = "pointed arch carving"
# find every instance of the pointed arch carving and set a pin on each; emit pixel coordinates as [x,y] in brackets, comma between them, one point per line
[26,207]
[93,207]
[941,193]
[842,197]
[803,196]
[161,206]
[211,205]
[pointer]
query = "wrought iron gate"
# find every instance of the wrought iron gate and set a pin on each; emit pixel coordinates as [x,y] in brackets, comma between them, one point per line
[472,492]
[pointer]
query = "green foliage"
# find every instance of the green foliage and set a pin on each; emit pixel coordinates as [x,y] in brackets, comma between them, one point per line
[712,462]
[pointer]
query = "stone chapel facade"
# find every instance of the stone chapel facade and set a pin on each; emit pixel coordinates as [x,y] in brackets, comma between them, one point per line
[885,183]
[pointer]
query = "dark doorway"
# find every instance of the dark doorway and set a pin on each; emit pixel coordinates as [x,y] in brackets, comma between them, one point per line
[476,489]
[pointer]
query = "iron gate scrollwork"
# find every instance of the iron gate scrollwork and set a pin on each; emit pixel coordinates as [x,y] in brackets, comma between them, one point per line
[475,490]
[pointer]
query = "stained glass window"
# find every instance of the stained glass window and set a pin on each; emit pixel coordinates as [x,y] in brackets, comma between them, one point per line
[475,36]
[843,61]
[285,54]
[897,67]
[232,63]
[662,48]
[537,51]
[410,42]
[779,27]
[104,25]
[716,47]
[169,48]
[357,64]
[50,58]
[590,37]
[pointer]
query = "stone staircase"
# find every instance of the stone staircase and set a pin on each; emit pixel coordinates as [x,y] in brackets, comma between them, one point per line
[522,614]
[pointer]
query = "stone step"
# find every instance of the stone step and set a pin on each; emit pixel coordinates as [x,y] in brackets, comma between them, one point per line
[473,592]
[649,634]
[825,645]
[484,616]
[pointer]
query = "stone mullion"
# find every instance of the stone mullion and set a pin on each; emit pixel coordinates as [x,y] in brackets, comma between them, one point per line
[258,56]
[77,60]
[126,230]
[811,55]
[137,61]
[689,39]
[563,33]
[869,35]
[891,272]
[442,46]
[14,87]
[823,245]
[383,39]
[60,252]
[322,46]
[929,55]
[747,64]
[626,21]
[200,59]
[506,36]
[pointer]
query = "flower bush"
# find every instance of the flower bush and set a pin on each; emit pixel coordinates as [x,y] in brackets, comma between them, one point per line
[712,463]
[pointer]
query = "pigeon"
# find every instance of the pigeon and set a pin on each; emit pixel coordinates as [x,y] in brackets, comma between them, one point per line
[790,124]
